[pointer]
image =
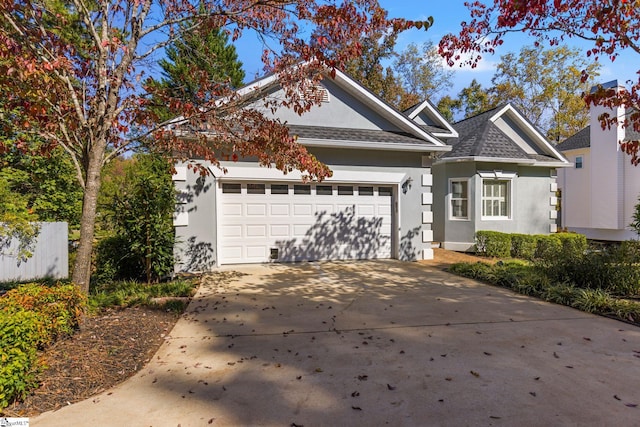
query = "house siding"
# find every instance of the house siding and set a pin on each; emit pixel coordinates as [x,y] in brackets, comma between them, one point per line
[532,208]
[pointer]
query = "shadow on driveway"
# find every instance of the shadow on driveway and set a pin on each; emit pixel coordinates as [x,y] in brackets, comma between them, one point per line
[374,343]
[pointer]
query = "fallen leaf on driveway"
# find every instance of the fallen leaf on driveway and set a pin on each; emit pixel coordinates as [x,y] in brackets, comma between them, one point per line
[616,397]
[390,387]
[474,373]
[356,408]
[631,405]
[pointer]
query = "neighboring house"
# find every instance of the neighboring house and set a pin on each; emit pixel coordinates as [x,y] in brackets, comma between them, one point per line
[377,204]
[600,191]
[500,175]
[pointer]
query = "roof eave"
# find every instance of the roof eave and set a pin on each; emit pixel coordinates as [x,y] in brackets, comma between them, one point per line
[368,145]
[518,162]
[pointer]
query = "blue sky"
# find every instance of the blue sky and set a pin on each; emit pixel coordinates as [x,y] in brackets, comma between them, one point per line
[447,17]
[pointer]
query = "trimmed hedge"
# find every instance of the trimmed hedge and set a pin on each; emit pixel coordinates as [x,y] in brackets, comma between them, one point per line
[493,244]
[530,247]
[31,317]
[524,246]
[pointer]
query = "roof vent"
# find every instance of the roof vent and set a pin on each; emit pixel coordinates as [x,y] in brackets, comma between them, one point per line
[316,92]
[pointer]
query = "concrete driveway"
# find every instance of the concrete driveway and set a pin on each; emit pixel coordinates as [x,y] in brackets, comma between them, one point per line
[374,343]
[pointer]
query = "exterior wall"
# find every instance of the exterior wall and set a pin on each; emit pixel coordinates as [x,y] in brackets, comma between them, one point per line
[533,203]
[607,209]
[575,185]
[343,110]
[50,257]
[195,220]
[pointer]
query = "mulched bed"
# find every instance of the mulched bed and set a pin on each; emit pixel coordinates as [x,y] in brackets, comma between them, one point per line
[108,348]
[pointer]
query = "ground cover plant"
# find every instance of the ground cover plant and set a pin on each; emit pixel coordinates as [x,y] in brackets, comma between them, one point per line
[565,270]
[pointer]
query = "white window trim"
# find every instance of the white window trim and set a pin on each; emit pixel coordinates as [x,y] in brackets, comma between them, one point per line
[575,163]
[500,176]
[450,200]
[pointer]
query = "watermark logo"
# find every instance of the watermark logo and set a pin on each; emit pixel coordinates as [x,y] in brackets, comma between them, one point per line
[14,422]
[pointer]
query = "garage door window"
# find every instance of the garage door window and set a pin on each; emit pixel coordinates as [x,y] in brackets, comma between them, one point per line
[279,189]
[231,188]
[385,191]
[365,191]
[301,189]
[255,188]
[324,190]
[344,190]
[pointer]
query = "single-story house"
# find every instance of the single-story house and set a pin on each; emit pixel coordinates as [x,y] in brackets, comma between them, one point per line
[377,204]
[601,189]
[500,175]
[400,181]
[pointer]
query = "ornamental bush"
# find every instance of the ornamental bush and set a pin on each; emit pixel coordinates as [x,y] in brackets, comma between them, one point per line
[31,317]
[523,246]
[493,244]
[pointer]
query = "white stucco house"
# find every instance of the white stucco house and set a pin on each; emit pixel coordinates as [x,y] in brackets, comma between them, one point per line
[601,189]
[392,180]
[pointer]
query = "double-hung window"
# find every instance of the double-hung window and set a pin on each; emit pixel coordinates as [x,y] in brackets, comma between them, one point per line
[459,199]
[496,198]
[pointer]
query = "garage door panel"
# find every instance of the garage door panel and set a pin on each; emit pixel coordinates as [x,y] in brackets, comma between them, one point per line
[232,230]
[232,209]
[279,230]
[256,231]
[304,227]
[256,209]
[384,210]
[279,209]
[302,209]
[300,230]
[257,252]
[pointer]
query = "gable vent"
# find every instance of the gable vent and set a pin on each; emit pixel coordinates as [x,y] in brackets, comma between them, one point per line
[317,92]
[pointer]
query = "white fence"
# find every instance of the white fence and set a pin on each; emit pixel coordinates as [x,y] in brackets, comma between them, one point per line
[50,256]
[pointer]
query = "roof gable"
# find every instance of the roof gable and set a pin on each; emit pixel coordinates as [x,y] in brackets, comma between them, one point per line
[502,134]
[429,118]
[350,108]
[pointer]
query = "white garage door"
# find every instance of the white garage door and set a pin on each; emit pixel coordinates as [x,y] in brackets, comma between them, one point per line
[298,222]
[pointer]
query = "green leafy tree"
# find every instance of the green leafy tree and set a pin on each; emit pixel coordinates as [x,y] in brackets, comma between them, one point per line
[204,53]
[421,73]
[369,68]
[139,209]
[547,86]
[471,100]
[46,182]
[18,229]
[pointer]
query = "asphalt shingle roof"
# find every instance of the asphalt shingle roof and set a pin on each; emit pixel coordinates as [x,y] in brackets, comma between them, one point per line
[480,137]
[580,139]
[346,134]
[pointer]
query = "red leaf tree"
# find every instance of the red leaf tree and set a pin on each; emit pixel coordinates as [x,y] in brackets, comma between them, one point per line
[74,72]
[611,26]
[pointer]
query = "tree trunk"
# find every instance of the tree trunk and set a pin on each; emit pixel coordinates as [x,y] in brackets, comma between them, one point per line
[82,267]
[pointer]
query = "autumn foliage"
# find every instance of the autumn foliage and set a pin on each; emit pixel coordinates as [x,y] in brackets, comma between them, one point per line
[74,72]
[609,26]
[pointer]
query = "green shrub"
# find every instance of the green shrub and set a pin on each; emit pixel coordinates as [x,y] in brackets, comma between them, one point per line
[115,262]
[59,307]
[21,333]
[573,244]
[523,246]
[493,244]
[548,248]
[31,317]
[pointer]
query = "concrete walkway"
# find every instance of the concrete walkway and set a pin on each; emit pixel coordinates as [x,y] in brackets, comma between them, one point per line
[373,344]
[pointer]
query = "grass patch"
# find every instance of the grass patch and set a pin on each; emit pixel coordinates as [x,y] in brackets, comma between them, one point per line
[130,293]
